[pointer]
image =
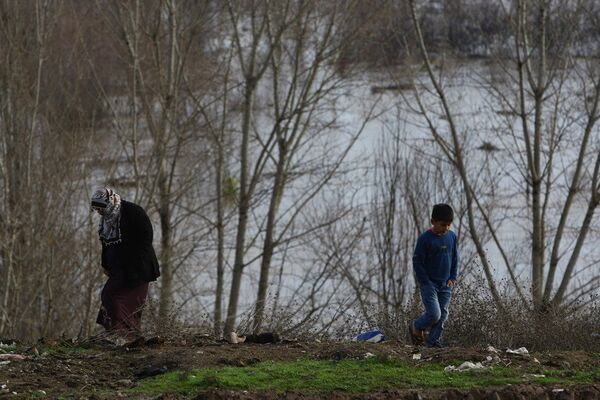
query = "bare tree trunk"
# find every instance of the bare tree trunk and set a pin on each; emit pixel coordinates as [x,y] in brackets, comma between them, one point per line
[253,68]
[243,207]
[164,212]
[164,184]
[220,242]
[269,244]
[535,171]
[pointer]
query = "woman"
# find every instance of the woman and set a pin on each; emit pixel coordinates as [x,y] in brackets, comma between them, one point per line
[128,259]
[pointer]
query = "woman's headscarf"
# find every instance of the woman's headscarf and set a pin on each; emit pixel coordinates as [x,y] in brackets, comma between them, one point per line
[109,227]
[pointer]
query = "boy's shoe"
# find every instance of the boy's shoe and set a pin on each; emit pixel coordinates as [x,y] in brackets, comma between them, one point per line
[416,336]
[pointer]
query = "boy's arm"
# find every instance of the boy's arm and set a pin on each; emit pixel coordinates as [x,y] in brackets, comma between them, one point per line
[454,267]
[419,262]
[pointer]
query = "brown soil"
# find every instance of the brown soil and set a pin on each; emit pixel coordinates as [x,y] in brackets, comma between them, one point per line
[106,371]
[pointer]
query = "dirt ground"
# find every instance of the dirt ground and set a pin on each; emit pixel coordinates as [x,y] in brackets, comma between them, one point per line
[57,369]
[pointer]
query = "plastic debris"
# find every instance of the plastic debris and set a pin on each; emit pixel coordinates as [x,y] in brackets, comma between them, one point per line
[533,376]
[371,336]
[369,355]
[535,360]
[492,349]
[466,366]
[557,390]
[522,351]
[416,356]
[234,338]
[491,360]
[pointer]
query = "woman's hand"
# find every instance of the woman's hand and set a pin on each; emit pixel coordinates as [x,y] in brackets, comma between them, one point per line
[451,282]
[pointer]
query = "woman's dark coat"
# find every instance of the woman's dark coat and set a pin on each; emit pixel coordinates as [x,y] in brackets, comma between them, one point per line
[132,260]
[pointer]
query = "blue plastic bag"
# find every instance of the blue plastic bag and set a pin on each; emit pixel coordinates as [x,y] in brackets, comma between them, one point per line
[371,336]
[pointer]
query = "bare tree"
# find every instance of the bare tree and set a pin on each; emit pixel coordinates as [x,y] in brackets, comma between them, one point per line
[158,127]
[292,49]
[43,117]
[253,62]
[538,92]
[304,80]
[541,80]
[218,112]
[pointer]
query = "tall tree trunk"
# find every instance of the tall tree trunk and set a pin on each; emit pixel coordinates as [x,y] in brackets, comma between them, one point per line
[269,244]
[164,184]
[243,208]
[164,212]
[535,169]
[220,242]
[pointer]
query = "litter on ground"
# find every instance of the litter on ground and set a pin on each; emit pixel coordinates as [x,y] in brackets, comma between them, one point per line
[492,349]
[466,366]
[520,351]
[234,338]
[371,337]
[416,356]
[533,376]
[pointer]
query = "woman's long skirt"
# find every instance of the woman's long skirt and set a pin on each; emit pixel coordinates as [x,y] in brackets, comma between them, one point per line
[121,310]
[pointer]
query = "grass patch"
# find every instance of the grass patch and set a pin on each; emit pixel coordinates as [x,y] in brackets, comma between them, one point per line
[569,376]
[349,376]
[63,350]
[7,348]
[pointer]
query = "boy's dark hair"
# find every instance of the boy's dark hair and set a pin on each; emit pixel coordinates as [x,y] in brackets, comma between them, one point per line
[442,212]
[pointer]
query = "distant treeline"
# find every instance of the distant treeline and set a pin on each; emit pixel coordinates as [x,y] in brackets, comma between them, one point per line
[470,28]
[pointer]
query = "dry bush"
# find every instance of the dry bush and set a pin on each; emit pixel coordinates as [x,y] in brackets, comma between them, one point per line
[475,320]
[175,326]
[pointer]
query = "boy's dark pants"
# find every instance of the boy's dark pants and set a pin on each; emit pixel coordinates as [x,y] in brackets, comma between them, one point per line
[436,299]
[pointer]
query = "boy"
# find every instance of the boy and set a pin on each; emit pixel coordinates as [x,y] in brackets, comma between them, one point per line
[435,262]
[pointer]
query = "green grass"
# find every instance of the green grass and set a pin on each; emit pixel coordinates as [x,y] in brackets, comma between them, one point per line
[8,348]
[570,376]
[346,376]
[63,350]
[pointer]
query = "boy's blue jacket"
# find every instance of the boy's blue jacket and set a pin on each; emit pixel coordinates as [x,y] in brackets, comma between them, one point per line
[436,258]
